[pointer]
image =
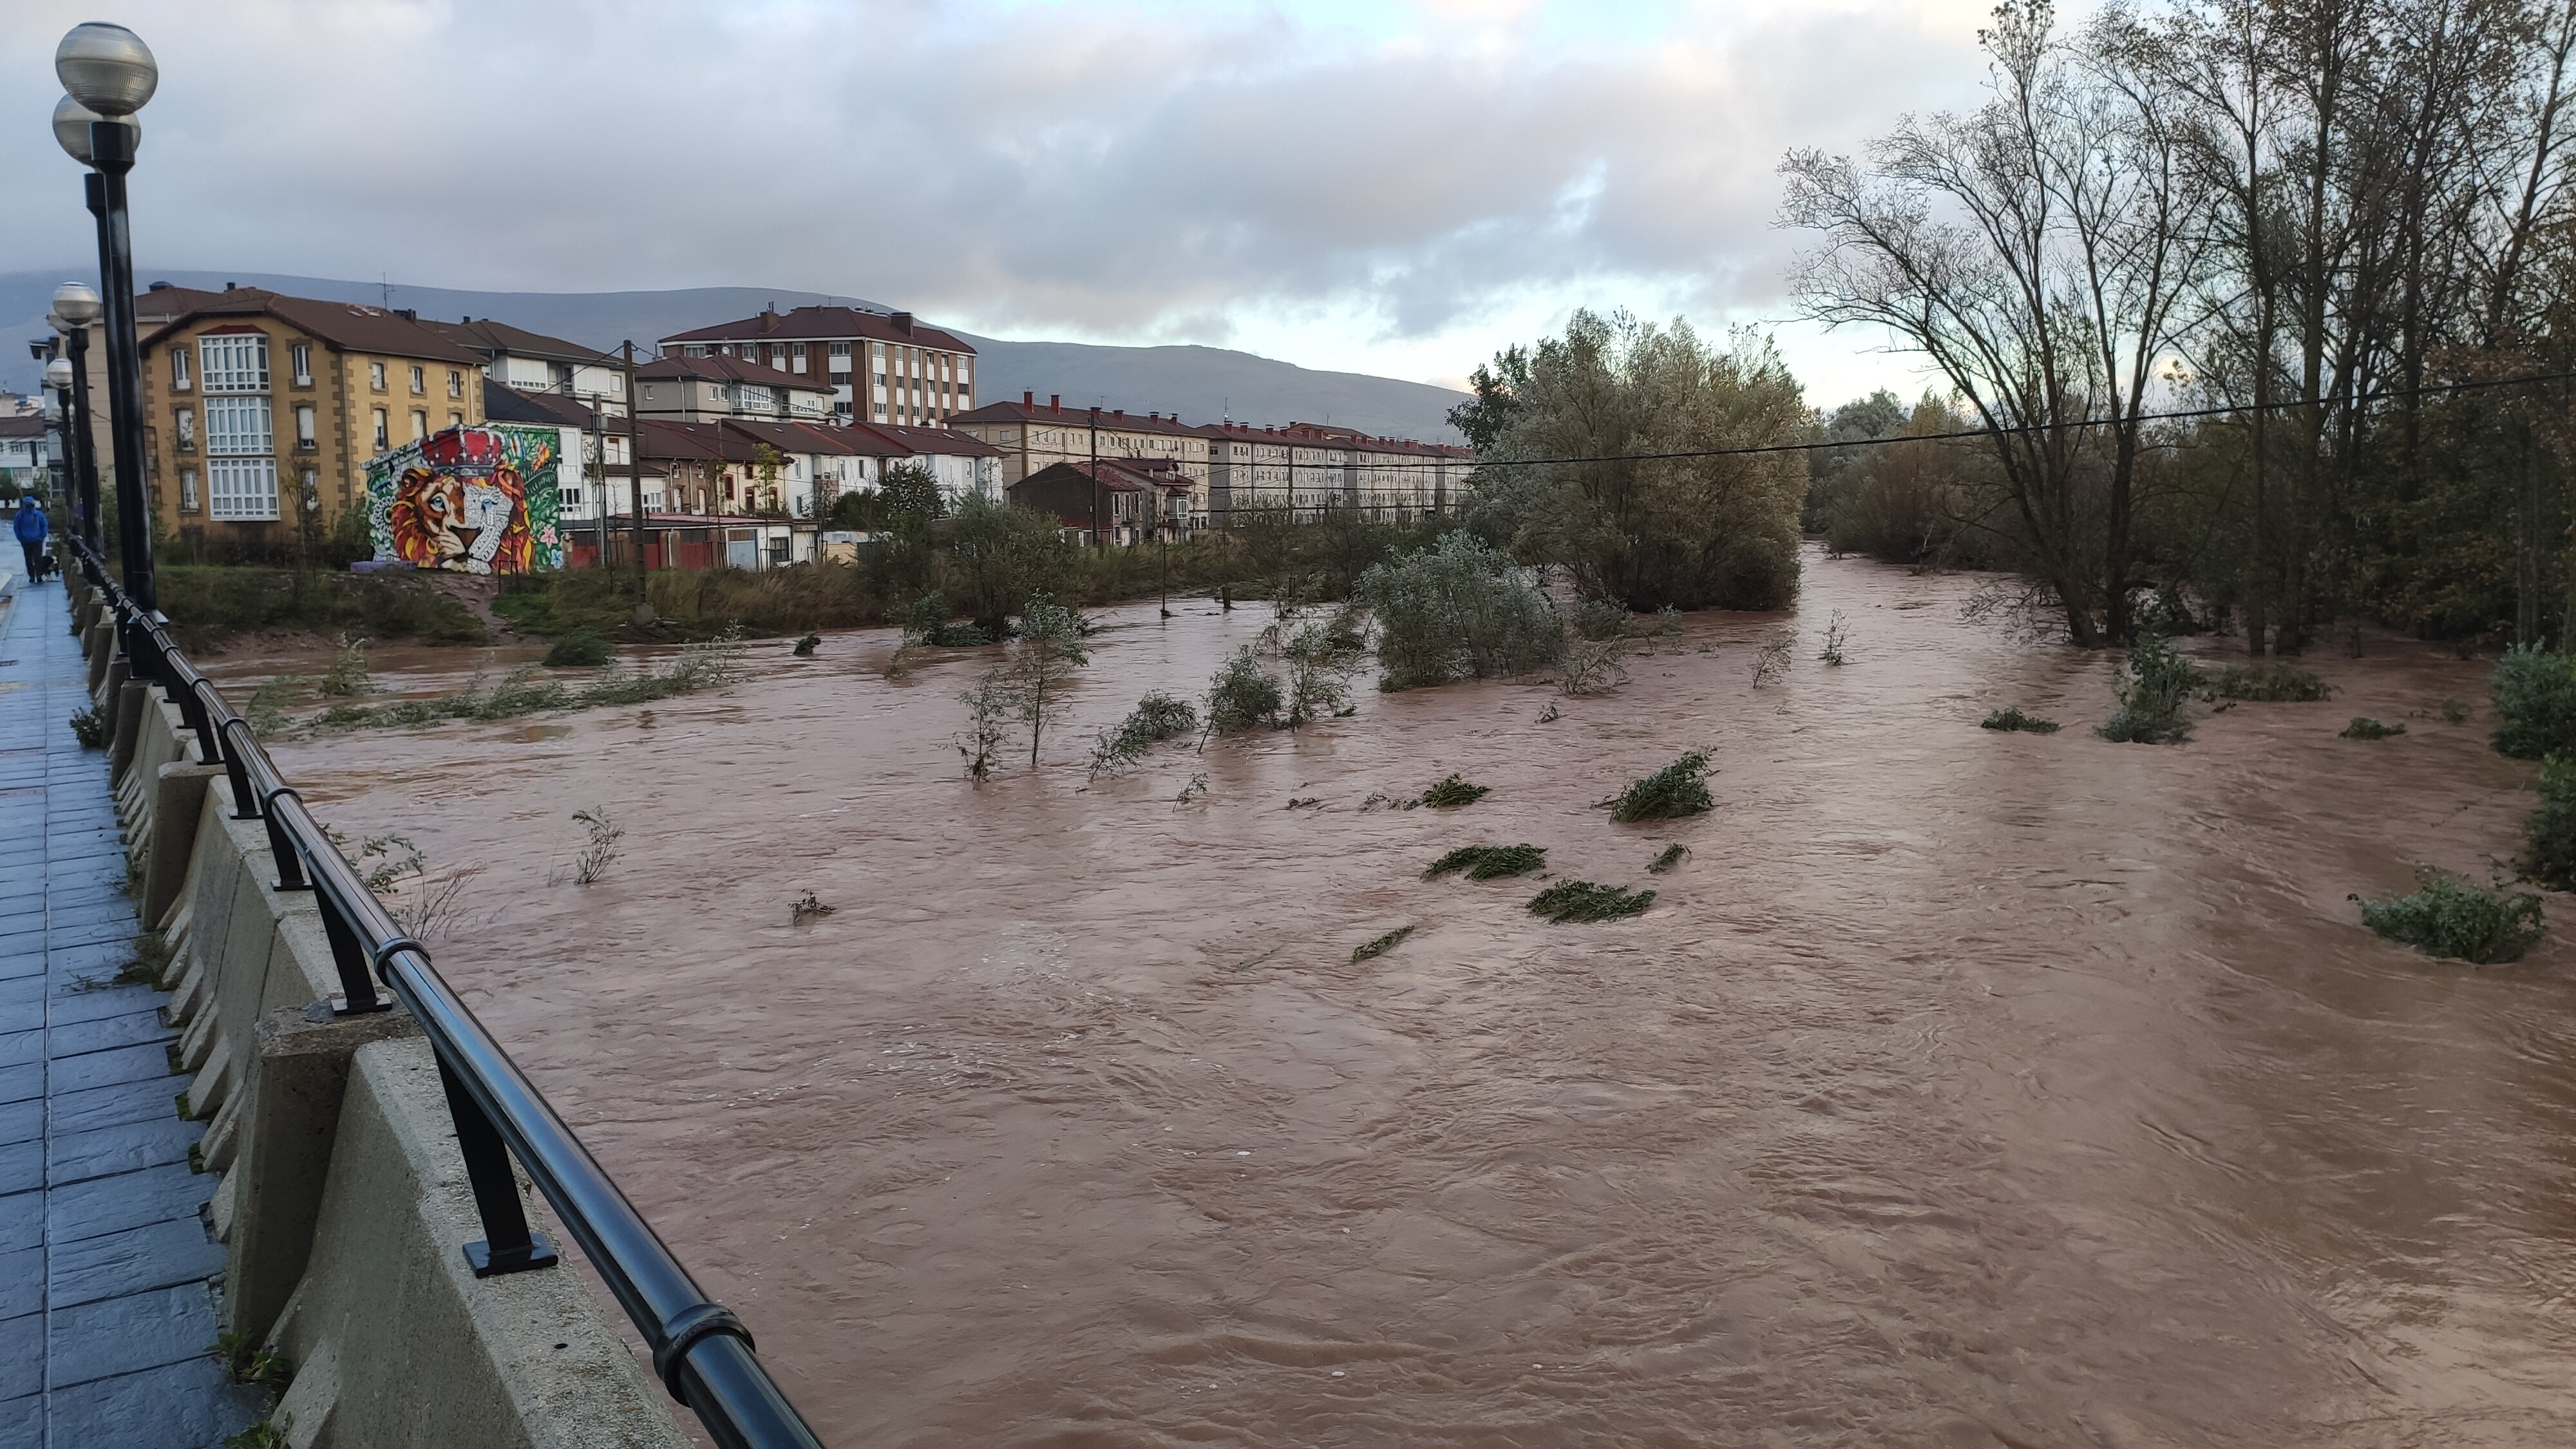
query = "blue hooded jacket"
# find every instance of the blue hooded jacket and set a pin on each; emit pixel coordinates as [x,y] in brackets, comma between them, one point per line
[31,523]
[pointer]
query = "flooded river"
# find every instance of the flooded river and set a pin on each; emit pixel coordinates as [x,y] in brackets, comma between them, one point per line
[1960,1089]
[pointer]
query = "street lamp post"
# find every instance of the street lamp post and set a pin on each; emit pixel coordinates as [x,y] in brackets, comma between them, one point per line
[108,72]
[78,307]
[58,376]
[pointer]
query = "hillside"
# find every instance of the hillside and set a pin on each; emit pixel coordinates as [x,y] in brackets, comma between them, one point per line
[1202,384]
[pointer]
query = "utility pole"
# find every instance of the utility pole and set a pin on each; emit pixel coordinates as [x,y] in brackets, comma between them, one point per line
[634,476]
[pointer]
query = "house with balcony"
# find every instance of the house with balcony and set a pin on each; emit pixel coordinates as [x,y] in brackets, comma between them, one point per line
[879,367]
[534,362]
[711,389]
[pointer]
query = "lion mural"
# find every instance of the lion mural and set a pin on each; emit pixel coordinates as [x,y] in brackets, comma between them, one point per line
[462,500]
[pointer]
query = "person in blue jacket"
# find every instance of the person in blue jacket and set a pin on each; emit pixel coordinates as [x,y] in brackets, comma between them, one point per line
[31,534]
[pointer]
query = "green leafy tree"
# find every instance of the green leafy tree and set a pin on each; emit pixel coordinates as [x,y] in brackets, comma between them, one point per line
[1695,532]
[1042,668]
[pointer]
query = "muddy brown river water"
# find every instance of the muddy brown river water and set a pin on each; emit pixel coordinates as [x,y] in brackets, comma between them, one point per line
[1960,1089]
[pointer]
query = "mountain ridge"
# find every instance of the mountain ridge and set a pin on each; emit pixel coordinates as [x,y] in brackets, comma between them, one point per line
[1199,383]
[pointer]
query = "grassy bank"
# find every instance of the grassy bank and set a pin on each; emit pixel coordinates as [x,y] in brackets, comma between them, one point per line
[981,574]
[208,603]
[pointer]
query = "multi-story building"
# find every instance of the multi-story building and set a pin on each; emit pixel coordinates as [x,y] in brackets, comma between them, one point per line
[593,449]
[533,362]
[1232,467]
[1032,438]
[27,452]
[261,410]
[878,367]
[710,389]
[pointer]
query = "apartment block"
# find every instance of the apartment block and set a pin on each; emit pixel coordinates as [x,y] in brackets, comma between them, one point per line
[877,367]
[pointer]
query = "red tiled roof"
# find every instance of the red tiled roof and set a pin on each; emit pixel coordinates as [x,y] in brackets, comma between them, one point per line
[830,324]
[724,369]
[345,325]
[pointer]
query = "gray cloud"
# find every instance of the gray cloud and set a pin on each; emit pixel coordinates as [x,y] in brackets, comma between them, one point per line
[1108,170]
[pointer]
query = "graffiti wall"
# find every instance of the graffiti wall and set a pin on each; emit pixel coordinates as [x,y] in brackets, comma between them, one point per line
[475,500]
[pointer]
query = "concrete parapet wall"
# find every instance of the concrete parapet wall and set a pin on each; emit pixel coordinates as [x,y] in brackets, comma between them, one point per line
[343,1204]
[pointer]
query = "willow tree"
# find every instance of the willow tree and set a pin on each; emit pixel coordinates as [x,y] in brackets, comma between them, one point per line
[1579,422]
[2038,252]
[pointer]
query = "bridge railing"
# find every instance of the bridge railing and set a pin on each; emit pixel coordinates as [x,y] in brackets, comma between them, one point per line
[702,1353]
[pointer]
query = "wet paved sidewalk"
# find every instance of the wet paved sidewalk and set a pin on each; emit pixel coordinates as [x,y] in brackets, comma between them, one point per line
[106,1274]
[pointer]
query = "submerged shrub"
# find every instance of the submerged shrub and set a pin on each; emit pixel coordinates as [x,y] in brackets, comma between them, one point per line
[1156,718]
[2153,687]
[2535,702]
[1676,790]
[1598,618]
[1241,696]
[1487,862]
[2014,719]
[1453,792]
[578,648]
[2269,681]
[2452,919]
[2549,835]
[1321,659]
[2363,728]
[710,665]
[347,678]
[1665,863]
[1582,900]
[1461,610]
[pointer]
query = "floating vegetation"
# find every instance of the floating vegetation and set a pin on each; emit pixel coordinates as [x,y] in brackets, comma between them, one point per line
[2013,719]
[2451,709]
[808,908]
[806,646]
[1196,789]
[1488,862]
[580,648]
[1676,790]
[1453,792]
[1382,944]
[1583,900]
[2364,728]
[1551,714]
[1672,856]
[2454,920]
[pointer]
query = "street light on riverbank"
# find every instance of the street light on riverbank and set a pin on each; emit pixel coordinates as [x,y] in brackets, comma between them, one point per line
[108,74]
[75,308]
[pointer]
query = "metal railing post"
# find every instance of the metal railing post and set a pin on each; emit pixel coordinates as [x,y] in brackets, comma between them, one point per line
[357,988]
[507,1245]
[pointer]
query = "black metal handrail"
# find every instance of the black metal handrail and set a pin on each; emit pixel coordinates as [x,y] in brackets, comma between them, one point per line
[701,1351]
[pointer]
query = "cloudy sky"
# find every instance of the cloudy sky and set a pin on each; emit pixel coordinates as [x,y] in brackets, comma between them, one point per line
[1389,187]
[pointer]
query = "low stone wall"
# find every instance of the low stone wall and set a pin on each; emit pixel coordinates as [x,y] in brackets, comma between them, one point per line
[343,1205]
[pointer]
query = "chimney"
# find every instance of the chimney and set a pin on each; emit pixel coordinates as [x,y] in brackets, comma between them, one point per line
[1055,402]
[1028,399]
[1120,414]
[769,318]
[158,287]
[228,286]
[903,323]
[407,314]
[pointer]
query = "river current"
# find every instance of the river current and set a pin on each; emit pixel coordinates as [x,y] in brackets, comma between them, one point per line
[1959,1088]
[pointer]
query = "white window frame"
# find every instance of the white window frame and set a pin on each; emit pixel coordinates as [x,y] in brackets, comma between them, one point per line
[383,419]
[302,356]
[241,490]
[179,368]
[375,377]
[237,426]
[304,425]
[188,490]
[187,427]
